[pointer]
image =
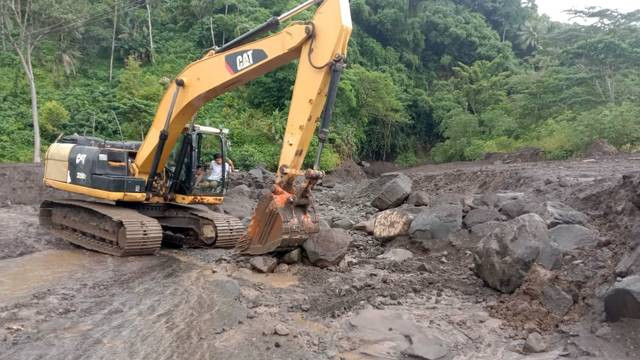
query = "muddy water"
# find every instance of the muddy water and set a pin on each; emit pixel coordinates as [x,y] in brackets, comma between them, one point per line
[25,275]
[74,305]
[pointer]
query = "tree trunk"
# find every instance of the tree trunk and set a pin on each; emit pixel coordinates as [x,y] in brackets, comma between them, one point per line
[113,39]
[226,9]
[34,107]
[153,60]
[213,37]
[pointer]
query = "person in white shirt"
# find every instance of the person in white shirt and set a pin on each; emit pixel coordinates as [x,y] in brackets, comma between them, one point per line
[216,168]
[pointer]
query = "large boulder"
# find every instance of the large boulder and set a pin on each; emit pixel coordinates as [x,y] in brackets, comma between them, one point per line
[433,226]
[504,257]
[484,229]
[481,216]
[327,247]
[571,237]
[390,224]
[393,193]
[623,299]
[556,213]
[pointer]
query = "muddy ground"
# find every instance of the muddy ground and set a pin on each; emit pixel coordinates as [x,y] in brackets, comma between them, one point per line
[58,301]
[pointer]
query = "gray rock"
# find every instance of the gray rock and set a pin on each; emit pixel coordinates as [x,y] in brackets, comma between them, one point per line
[242,190]
[482,230]
[390,224]
[394,193]
[365,226]
[481,216]
[327,247]
[571,237]
[623,299]
[425,348]
[342,224]
[433,226]
[281,330]
[514,208]
[292,257]
[556,213]
[535,343]
[504,257]
[256,174]
[556,300]
[550,256]
[397,255]
[629,264]
[419,198]
[263,264]
[238,205]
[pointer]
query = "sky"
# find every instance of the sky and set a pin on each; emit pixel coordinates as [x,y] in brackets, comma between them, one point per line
[555,8]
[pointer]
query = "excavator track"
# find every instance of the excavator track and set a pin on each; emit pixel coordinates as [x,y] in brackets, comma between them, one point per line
[192,225]
[102,227]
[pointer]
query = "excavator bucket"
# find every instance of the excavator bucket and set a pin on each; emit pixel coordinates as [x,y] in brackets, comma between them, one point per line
[280,222]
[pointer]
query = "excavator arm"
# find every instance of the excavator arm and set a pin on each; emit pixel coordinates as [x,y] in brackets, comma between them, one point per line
[284,218]
[316,44]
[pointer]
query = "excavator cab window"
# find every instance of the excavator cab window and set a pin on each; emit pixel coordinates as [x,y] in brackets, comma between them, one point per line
[198,166]
[211,171]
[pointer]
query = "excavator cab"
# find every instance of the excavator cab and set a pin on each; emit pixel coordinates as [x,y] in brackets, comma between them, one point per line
[198,166]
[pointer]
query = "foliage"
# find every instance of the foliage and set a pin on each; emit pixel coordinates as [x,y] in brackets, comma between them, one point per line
[458,78]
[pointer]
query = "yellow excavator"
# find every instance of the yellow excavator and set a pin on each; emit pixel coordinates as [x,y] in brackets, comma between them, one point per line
[152,191]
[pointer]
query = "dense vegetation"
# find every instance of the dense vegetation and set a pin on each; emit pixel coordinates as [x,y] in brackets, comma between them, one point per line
[449,79]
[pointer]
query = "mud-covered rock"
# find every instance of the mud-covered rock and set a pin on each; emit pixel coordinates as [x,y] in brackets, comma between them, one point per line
[390,224]
[433,226]
[557,213]
[623,299]
[481,216]
[397,255]
[419,198]
[504,257]
[556,300]
[263,264]
[571,237]
[394,193]
[629,264]
[327,247]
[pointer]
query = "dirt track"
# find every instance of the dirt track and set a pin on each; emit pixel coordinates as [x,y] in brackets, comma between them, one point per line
[59,301]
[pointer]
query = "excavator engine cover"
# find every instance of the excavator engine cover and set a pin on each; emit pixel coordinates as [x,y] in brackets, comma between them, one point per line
[280,222]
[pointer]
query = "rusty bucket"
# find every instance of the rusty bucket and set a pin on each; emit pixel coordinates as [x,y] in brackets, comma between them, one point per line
[281,221]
